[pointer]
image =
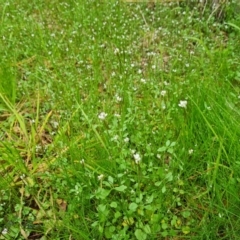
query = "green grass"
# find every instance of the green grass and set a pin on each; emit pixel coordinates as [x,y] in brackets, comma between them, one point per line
[118,121]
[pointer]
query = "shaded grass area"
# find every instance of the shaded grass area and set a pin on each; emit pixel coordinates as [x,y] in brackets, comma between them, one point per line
[118,121]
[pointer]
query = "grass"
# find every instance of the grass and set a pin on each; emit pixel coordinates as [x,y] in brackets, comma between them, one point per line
[118,121]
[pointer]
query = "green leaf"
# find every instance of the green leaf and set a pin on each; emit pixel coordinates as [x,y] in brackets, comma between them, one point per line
[234,26]
[170,150]
[163,189]
[110,179]
[186,214]
[102,208]
[168,143]
[162,149]
[147,229]
[169,176]
[109,232]
[186,229]
[164,226]
[102,193]
[133,206]
[120,188]
[149,199]
[113,205]
[139,199]
[117,215]
[140,235]
[157,184]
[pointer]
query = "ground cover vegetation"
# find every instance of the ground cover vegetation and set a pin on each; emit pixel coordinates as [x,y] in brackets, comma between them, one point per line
[119,121]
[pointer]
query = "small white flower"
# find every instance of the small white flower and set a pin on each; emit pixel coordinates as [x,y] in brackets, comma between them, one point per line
[158,156]
[22,176]
[139,71]
[117,115]
[137,158]
[126,140]
[165,83]
[115,138]
[55,124]
[133,151]
[163,92]
[163,106]
[187,65]
[4,231]
[38,148]
[116,51]
[100,177]
[190,151]
[82,161]
[102,115]
[183,104]
[119,99]
[143,80]
[134,89]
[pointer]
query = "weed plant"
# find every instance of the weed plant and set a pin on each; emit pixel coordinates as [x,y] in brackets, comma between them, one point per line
[118,121]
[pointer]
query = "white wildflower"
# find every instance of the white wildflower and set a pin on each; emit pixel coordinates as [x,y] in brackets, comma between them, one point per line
[126,140]
[137,158]
[165,83]
[82,161]
[119,99]
[190,151]
[133,151]
[116,51]
[183,104]
[55,124]
[117,115]
[22,176]
[100,177]
[4,231]
[115,138]
[102,115]
[163,92]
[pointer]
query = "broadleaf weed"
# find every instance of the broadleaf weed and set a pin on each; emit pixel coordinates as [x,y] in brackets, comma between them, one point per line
[119,122]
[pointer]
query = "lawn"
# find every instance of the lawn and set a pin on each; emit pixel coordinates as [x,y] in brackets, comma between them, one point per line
[119,121]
